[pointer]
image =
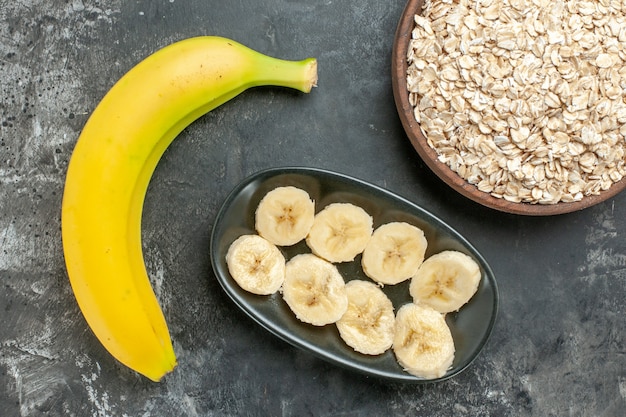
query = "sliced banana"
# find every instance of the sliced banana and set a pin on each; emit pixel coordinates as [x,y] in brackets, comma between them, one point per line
[445,281]
[256,264]
[422,343]
[394,253]
[368,324]
[285,215]
[314,290]
[340,232]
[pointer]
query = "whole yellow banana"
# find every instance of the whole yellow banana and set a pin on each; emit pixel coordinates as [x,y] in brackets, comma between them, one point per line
[108,176]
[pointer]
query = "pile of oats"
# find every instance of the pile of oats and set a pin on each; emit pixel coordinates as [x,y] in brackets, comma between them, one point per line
[526,99]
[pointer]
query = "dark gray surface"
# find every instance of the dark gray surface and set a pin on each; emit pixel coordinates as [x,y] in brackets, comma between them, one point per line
[558,347]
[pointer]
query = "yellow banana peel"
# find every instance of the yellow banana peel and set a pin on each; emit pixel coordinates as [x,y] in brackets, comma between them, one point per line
[108,177]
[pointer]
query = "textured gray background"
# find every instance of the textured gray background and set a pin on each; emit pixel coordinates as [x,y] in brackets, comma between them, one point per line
[558,348]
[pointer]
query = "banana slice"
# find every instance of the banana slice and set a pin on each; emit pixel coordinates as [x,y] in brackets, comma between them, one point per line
[368,324]
[445,281]
[340,232]
[422,342]
[314,290]
[256,264]
[285,215]
[394,253]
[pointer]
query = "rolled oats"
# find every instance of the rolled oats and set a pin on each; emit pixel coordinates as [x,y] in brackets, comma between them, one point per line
[526,99]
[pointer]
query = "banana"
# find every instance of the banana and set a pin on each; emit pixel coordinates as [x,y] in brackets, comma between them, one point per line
[314,290]
[256,264]
[394,253]
[368,324]
[340,232]
[445,281]
[422,342]
[108,176]
[285,215]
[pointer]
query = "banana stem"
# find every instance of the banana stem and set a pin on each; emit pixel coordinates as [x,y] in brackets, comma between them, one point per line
[299,75]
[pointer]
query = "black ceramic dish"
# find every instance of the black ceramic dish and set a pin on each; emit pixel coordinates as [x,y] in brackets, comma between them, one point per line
[470,327]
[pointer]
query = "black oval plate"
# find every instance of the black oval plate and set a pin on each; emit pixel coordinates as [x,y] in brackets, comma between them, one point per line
[470,326]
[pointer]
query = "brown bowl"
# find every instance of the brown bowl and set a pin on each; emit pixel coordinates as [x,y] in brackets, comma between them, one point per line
[405,110]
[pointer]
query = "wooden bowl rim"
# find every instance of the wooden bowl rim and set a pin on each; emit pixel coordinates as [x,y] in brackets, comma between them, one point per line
[405,110]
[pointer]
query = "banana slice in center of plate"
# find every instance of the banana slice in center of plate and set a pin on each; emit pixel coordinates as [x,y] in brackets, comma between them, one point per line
[314,290]
[340,232]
